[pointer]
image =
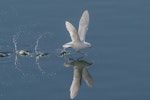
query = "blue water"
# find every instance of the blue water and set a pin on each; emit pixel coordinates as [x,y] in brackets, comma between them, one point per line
[119,33]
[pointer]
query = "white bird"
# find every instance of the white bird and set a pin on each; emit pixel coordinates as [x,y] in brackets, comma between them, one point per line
[78,38]
[80,71]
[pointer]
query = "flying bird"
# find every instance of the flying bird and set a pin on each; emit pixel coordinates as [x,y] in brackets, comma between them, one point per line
[78,38]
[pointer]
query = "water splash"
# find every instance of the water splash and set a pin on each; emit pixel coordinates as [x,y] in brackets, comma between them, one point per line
[15,38]
[17,64]
[37,44]
[39,54]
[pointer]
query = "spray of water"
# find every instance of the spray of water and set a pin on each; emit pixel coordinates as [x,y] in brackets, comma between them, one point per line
[17,64]
[39,54]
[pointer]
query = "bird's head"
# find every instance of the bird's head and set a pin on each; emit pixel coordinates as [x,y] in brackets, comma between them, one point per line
[88,45]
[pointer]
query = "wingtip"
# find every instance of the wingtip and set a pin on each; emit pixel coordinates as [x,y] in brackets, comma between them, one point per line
[86,11]
[66,22]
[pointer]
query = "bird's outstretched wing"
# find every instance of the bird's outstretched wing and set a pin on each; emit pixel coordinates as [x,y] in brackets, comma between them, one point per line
[76,82]
[87,77]
[83,25]
[73,33]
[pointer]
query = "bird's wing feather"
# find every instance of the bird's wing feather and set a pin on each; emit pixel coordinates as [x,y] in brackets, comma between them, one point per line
[76,82]
[73,33]
[83,25]
[87,77]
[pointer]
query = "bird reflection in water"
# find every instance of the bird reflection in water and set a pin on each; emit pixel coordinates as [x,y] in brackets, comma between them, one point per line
[80,72]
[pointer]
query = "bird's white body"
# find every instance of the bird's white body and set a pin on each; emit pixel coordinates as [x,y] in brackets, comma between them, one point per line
[76,45]
[78,38]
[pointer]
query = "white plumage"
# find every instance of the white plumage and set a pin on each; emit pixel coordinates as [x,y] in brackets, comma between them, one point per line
[78,38]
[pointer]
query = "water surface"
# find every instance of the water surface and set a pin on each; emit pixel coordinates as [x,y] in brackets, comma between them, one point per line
[119,33]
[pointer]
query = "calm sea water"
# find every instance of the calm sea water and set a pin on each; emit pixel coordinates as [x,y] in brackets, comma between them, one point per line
[119,32]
